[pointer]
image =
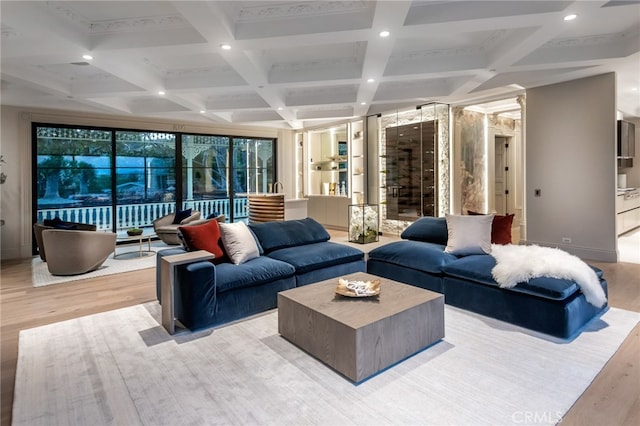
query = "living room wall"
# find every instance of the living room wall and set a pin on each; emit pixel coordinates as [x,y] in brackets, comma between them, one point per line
[15,132]
[570,158]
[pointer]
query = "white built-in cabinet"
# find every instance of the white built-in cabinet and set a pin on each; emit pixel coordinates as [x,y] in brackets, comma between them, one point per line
[329,210]
[628,214]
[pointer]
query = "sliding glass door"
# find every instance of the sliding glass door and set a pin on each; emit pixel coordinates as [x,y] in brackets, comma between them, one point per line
[117,179]
[145,178]
[218,173]
[205,174]
[73,175]
[253,165]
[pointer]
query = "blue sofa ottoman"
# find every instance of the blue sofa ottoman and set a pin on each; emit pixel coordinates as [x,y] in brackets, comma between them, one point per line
[549,305]
[292,253]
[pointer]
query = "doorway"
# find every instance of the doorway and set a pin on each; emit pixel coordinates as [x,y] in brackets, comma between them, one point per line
[501,192]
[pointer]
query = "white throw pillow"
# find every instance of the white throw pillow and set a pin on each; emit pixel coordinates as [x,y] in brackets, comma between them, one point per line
[469,234]
[238,242]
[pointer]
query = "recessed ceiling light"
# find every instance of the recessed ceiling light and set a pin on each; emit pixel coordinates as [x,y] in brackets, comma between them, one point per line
[363,103]
[225,46]
[384,33]
[202,111]
[371,80]
[161,92]
[570,17]
[279,108]
[634,89]
[87,57]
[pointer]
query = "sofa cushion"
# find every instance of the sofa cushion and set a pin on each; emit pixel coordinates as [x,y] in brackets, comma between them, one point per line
[181,215]
[468,234]
[290,233]
[257,271]
[317,256]
[57,223]
[500,227]
[52,222]
[478,268]
[203,237]
[418,255]
[238,242]
[428,229]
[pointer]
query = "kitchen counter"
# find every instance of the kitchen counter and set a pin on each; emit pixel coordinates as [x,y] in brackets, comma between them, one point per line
[628,212]
[274,207]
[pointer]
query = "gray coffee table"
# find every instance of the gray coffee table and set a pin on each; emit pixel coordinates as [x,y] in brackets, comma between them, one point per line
[360,337]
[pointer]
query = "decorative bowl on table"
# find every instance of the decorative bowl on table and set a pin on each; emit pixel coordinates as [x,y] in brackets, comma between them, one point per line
[134,231]
[355,288]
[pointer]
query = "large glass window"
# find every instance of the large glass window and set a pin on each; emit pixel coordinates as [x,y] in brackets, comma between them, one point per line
[145,176]
[219,171]
[205,168]
[73,172]
[118,179]
[252,165]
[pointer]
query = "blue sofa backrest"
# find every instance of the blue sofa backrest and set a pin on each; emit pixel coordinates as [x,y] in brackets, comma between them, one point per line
[290,233]
[427,229]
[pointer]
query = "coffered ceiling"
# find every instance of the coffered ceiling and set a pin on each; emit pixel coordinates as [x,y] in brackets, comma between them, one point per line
[295,64]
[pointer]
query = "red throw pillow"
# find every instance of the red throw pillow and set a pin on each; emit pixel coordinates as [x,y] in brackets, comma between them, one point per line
[204,237]
[500,228]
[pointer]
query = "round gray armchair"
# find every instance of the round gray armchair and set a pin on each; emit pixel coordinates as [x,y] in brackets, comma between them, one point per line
[167,231]
[74,252]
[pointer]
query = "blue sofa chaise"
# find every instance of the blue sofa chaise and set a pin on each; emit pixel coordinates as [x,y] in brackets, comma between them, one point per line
[292,253]
[548,305]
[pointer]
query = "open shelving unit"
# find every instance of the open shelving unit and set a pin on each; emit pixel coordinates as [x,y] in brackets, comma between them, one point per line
[335,171]
[358,163]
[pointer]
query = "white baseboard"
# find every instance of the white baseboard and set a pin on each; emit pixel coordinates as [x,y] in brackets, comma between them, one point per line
[586,253]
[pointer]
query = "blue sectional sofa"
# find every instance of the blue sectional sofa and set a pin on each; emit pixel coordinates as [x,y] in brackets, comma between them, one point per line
[292,253]
[552,306]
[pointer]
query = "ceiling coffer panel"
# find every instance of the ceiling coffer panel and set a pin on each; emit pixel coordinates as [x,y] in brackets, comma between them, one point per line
[262,19]
[255,116]
[233,101]
[414,89]
[322,95]
[337,112]
[431,12]
[204,78]
[149,105]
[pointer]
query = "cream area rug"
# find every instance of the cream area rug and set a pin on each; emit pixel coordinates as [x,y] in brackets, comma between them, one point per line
[122,368]
[127,260]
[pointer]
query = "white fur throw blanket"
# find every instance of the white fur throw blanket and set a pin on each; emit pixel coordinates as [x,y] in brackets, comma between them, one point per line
[515,264]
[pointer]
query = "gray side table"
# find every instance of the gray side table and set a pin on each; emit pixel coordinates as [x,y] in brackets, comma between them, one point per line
[168,267]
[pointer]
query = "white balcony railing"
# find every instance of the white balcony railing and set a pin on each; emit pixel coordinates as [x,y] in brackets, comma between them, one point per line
[141,215]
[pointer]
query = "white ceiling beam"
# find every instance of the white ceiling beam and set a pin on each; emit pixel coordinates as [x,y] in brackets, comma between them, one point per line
[210,21]
[389,16]
[505,57]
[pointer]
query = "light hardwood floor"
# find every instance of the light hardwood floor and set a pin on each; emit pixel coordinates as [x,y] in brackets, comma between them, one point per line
[612,399]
